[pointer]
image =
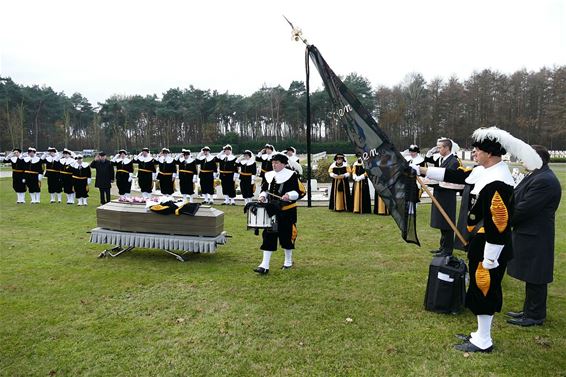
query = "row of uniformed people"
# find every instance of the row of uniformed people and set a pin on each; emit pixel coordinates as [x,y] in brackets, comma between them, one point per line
[358,200]
[65,172]
[202,168]
[58,168]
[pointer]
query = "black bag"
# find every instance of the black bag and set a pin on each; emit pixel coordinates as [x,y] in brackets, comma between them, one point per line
[446,286]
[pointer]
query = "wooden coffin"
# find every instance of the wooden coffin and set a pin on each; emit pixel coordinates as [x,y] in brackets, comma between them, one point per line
[127,217]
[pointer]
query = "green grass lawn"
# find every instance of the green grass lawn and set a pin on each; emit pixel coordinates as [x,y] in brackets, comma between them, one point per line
[64,312]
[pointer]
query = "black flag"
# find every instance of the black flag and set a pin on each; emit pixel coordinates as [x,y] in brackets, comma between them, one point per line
[389,172]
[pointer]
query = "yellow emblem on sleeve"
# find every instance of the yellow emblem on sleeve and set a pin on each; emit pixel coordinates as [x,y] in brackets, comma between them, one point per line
[499,213]
[483,280]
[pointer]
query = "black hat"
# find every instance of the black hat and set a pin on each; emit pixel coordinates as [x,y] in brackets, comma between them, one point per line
[227,146]
[499,142]
[122,151]
[248,152]
[165,150]
[280,157]
[79,156]
[145,150]
[490,146]
[52,149]
[32,149]
[414,148]
[269,146]
[291,149]
[66,151]
[102,154]
[185,151]
[340,155]
[205,149]
[17,150]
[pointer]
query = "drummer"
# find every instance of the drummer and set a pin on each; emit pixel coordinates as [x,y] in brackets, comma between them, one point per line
[282,187]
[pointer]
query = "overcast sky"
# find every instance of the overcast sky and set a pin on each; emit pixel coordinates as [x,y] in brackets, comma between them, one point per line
[100,48]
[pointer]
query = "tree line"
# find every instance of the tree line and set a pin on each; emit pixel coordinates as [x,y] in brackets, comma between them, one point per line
[530,105]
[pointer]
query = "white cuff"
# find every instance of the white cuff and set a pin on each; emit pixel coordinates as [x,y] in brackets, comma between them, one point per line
[492,251]
[293,195]
[435,173]
[346,175]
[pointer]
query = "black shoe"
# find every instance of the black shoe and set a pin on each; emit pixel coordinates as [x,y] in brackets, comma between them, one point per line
[223,204]
[435,251]
[525,322]
[286,267]
[233,204]
[464,337]
[261,270]
[469,347]
[515,314]
[443,253]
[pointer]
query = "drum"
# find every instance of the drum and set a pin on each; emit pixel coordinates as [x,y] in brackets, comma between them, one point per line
[259,219]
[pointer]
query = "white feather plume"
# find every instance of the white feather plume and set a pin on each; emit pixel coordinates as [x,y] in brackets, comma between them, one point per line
[515,147]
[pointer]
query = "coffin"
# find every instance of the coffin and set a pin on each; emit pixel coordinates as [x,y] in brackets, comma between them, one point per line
[128,217]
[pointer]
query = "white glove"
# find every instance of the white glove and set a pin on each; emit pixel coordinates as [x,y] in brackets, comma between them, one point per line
[88,180]
[154,176]
[253,179]
[173,176]
[23,180]
[130,177]
[40,177]
[346,175]
[491,253]
[332,175]
[195,178]
[236,176]
[362,177]
[415,167]
[216,175]
[432,151]
[489,264]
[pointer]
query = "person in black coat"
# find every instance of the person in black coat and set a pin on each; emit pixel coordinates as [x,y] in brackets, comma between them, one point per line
[104,176]
[18,176]
[445,194]
[537,198]
[488,223]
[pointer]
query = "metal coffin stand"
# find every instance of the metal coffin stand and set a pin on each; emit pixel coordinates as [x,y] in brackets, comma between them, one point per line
[175,245]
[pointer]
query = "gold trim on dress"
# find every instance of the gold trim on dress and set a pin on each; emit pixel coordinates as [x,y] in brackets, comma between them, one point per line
[499,213]
[483,279]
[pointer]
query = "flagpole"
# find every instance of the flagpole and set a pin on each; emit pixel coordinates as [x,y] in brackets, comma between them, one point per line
[297,35]
[442,212]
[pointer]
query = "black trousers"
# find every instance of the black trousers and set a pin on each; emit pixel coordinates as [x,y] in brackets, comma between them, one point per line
[447,240]
[535,300]
[104,195]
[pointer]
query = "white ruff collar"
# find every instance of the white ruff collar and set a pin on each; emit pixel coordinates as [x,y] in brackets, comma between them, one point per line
[83,165]
[208,158]
[125,160]
[33,160]
[186,160]
[417,160]
[167,160]
[51,158]
[222,156]
[248,162]
[280,177]
[267,157]
[481,177]
[145,159]
[344,165]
